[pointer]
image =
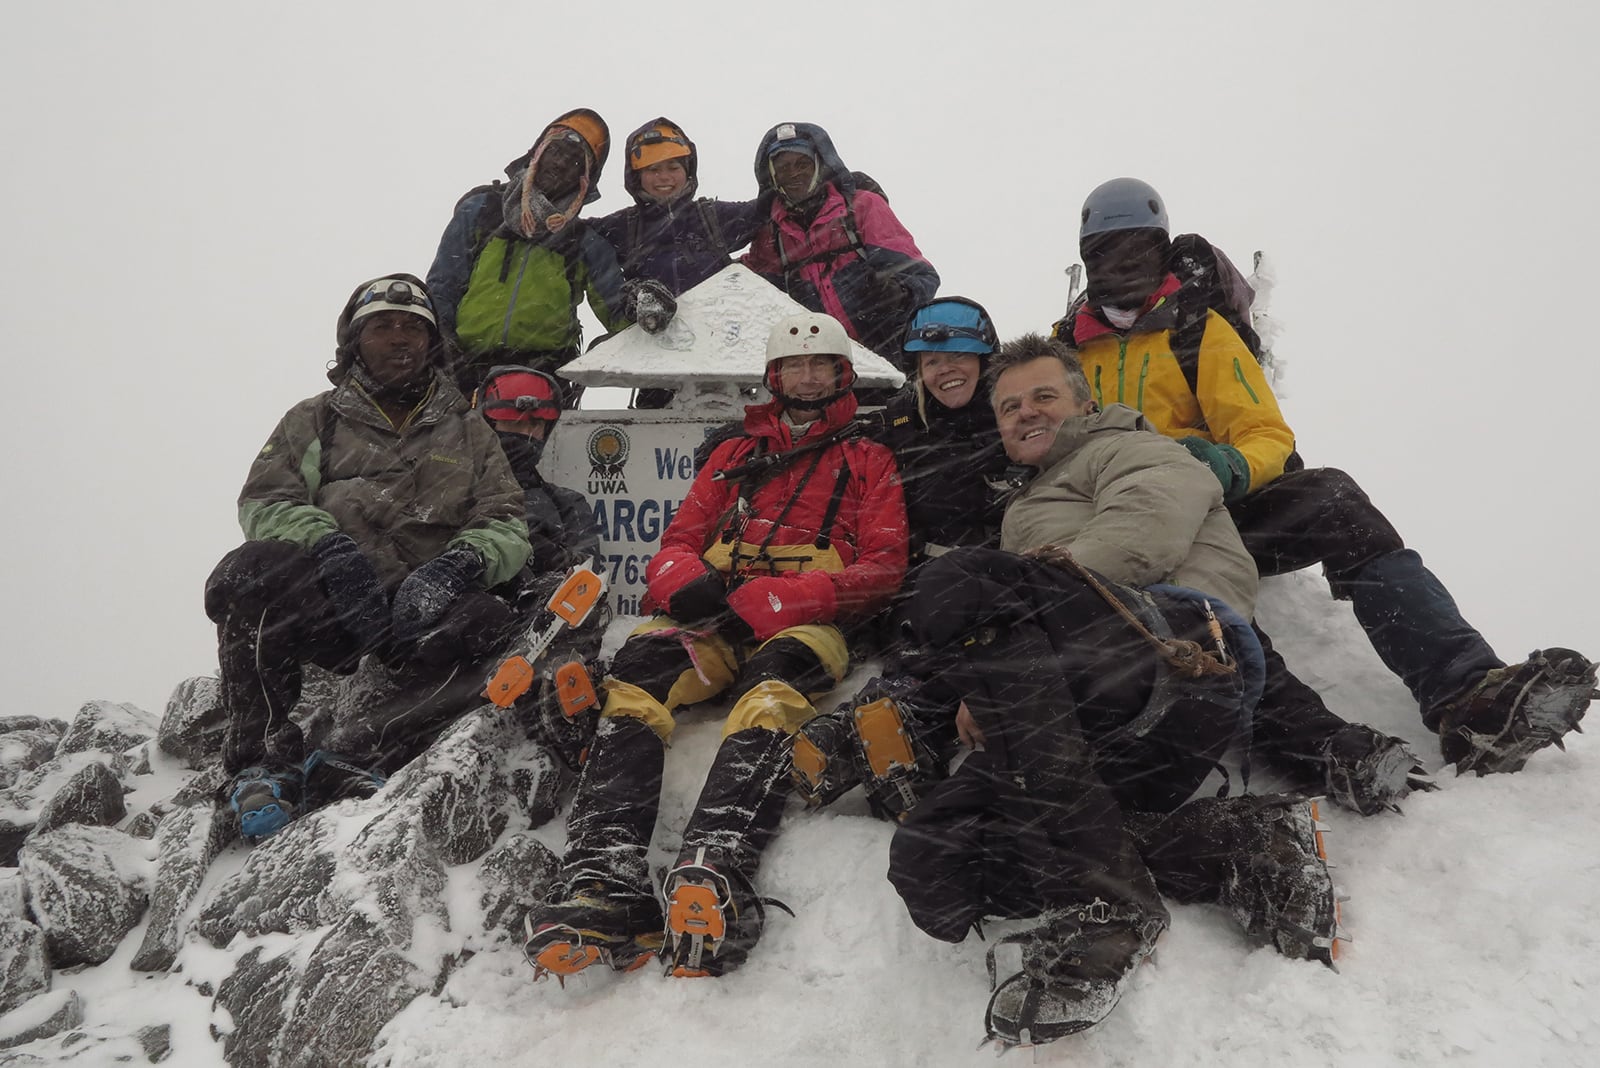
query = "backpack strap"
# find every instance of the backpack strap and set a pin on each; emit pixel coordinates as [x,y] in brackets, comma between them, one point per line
[825,536]
[630,258]
[708,218]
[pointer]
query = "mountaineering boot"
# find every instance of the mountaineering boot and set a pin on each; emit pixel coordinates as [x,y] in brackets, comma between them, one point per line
[876,738]
[1513,712]
[330,777]
[266,799]
[595,923]
[826,758]
[1369,772]
[1260,857]
[608,913]
[714,917]
[564,713]
[1075,966]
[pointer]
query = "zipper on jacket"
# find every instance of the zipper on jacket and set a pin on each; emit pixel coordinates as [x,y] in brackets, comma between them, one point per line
[1144,373]
[1122,361]
[1238,372]
[516,290]
[1099,394]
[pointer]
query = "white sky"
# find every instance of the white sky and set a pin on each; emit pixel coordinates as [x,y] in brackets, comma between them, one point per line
[190,190]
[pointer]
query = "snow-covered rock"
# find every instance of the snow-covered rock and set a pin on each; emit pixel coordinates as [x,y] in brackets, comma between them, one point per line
[186,842]
[24,965]
[191,729]
[26,746]
[108,725]
[91,796]
[87,887]
[515,877]
[46,1015]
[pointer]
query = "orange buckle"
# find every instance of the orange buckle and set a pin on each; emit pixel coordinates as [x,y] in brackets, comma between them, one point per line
[510,681]
[696,911]
[576,596]
[883,737]
[574,688]
[809,761]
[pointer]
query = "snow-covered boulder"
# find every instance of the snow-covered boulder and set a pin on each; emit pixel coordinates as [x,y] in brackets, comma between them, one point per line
[108,725]
[444,808]
[26,746]
[43,1016]
[91,796]
[186,842]
[24,965]
[191,729]
[515,877]
[87,887]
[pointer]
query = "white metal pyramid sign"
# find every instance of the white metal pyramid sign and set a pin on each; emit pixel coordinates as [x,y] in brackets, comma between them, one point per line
[718,335]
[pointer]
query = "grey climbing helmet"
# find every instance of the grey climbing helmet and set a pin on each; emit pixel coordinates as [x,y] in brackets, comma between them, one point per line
[1123,204]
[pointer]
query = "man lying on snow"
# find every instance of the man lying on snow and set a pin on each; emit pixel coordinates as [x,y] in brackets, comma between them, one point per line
[1104,671]
[1147,340]
[379,515]
[788,534]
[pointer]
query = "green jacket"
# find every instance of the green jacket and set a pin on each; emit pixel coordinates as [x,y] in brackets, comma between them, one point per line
[336,462]
[1134,506]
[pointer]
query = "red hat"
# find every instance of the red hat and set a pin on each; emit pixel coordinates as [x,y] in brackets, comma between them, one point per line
[519,394]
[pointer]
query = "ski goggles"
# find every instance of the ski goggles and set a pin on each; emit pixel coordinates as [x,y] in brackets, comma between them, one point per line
[393,294]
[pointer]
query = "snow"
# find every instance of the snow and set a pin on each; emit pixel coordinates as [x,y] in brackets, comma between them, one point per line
[1468,917]
[710,340]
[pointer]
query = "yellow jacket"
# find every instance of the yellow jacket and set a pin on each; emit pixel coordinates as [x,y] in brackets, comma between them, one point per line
[1231,403]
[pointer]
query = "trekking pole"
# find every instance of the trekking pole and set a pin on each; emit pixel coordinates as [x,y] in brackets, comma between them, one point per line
[1074,280]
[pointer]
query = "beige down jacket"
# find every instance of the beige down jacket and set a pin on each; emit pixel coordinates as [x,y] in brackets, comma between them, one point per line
[1134,506]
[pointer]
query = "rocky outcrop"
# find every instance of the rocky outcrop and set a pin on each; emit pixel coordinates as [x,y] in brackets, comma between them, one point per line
[192,727]
[87,887]
[107,726]
[24,965]
[91,796]
[185,844]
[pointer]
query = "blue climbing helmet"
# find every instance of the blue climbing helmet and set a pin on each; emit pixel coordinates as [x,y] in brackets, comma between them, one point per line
[948,324]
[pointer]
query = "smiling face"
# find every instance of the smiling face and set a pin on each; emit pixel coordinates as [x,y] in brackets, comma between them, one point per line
[665,180]
[1031,401]
[794,173]
[808,377]
[394,347]
[951,378]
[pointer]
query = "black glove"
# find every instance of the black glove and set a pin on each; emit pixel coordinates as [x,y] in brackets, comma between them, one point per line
[648,303]
[700,599]
[425,594]
[352,584]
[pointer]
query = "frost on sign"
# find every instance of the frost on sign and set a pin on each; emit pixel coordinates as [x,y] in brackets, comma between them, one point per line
[718,335]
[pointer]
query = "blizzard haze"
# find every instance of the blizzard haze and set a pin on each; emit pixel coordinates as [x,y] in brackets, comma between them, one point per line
[191,190]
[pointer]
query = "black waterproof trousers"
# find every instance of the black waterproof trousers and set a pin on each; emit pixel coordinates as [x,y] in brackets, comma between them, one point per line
[1321,516]
[1054,679]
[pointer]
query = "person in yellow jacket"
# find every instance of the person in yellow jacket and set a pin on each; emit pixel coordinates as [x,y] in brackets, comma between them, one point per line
[1145,341]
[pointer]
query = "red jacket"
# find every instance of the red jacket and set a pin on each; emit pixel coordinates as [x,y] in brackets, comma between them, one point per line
[850,574]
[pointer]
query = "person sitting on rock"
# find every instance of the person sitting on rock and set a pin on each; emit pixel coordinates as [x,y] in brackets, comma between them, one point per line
[788,534]
[523,406]
[668,242]
[1105,660]
[515,259]
[377,516]
[833,246]
[945,442]
[1145,343]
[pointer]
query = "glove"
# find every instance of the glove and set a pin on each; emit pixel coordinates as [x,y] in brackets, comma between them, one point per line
[699,598]
[648,303]
[1225,461]
[768,605]
[425,594]
[352,584]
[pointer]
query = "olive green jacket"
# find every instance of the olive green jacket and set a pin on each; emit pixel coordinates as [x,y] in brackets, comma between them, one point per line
[336,462]
[1134,506]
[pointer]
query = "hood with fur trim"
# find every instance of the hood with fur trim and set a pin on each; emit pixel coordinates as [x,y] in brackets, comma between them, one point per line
[596,136]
